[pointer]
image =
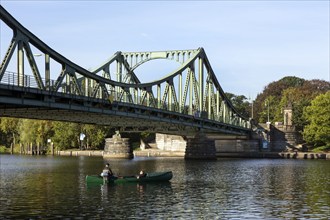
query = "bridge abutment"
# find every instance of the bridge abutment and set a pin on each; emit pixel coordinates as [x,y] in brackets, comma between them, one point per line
[200,147]
[117,147]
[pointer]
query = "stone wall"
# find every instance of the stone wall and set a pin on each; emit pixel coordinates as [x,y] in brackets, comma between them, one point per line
[117,147]
[223,143]
[170,142]
[283,138]
[227,146]
[200,147]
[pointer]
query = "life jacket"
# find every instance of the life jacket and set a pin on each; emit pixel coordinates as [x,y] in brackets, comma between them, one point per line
[105,172]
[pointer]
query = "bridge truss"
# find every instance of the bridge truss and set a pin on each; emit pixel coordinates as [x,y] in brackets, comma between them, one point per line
[188,99]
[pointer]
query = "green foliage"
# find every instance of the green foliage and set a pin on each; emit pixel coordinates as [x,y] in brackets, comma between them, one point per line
[317,115]
[4,150]
[240,103]
[35,131]
[273,92]
[66,135]
[289,91]
[321,149]
[95,136]
[9,126]
[269,108]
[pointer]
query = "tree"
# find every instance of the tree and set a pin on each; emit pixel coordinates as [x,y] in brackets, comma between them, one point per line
[274,91]
[317,115]
[66,135]
[268,109]
[28,131]
[10,127]
[35,131]
[95,136]
[240,103]
[299,98]
[289,90]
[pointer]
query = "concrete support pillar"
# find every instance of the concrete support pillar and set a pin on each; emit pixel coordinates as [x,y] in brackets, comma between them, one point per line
[117,147]
[200,147]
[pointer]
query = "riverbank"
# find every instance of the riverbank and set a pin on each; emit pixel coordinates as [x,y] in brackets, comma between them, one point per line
[161,153]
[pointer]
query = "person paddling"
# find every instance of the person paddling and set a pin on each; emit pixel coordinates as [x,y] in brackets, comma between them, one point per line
[106,173]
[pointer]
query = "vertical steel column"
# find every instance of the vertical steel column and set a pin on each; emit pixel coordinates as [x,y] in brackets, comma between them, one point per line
[136,94]
[159,100]
[209,100]
[230,116]
[218,105]
[148,98]
[119,77]
[20,64]
[191,88]
[169,97]
[180,93]
[67,83]
[47,72]
[201,83]
[224,112]
[87,93]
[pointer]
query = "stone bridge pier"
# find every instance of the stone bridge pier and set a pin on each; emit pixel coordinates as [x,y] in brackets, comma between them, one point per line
[117,147]
[210,146]
[200,147]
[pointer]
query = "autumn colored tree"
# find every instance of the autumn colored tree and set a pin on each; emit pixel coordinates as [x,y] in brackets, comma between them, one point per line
[299,98]
[292,91]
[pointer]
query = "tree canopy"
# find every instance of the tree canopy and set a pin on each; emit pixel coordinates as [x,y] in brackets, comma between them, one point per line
[292,91]
[317,115]
[64,135]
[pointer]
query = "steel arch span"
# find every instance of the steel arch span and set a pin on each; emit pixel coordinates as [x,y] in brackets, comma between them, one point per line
[185,101]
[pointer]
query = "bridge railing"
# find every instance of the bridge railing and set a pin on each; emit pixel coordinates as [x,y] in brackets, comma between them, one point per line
[192,89]
[13,79]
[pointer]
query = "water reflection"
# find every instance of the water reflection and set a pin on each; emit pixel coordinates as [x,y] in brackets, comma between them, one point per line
[54,187]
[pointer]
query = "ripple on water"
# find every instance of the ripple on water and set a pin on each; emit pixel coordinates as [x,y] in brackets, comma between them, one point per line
[54,187]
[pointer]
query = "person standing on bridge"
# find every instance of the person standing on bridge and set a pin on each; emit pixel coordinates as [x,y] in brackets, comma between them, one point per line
[106,173]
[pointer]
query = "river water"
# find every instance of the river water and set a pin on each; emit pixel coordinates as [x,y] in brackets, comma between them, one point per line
[47,187]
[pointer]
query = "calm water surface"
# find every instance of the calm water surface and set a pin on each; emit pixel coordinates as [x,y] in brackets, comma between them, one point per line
[46,187]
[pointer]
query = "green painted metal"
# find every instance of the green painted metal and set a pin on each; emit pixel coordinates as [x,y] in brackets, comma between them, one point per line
[151,177]
[192,89]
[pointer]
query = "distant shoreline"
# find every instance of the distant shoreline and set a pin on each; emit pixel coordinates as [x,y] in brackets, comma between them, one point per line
[160,153]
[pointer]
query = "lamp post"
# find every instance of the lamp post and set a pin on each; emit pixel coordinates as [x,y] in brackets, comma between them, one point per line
[47,68]
[267,103]
[251,99]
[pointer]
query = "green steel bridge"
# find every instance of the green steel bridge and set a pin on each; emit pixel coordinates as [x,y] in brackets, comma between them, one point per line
[186,101]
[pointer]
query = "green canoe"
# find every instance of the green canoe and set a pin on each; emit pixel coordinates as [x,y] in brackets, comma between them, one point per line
[149,177]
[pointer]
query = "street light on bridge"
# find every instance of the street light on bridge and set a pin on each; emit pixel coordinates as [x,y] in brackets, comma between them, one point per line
[252,102]
[267,103]
[47,68]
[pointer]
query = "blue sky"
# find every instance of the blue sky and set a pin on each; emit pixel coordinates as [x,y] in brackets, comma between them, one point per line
[249,43]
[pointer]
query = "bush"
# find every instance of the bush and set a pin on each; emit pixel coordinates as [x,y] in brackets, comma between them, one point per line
[321,149]
[4,150]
